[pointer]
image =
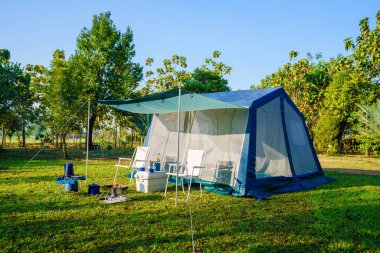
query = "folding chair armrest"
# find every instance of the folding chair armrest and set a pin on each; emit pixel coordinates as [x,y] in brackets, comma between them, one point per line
[122,166]
[197,167]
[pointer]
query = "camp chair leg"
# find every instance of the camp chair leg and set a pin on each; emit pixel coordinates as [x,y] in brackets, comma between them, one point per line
[131,180]
[166,186]
[183,188]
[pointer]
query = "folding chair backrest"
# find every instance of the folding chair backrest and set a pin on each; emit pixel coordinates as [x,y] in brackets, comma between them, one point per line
[194,158]
[224,171]
[141,154]
[166,160]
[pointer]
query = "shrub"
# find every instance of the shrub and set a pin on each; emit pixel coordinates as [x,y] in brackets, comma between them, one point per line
[327,133]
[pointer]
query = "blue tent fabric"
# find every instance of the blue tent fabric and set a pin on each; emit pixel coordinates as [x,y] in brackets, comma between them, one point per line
[248,182]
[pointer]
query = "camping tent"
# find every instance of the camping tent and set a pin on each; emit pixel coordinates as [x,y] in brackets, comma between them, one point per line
[260,134]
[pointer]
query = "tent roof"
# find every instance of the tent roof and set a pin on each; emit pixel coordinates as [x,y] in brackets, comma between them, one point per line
[243,98]
[168,101]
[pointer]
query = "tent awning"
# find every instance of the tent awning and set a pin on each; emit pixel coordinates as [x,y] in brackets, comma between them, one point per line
[167,102]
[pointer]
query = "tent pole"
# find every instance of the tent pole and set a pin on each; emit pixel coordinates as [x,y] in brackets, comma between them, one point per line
[88,136]
[179,129]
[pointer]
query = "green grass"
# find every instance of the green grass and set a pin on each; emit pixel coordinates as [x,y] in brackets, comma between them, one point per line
[356,162]
[37,215]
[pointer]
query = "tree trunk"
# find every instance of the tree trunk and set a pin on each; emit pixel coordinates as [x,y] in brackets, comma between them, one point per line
[64,147]
[80,141]
[120,135]
[115,136]
[4,139]
[91,128]
[56,141]
[23,148]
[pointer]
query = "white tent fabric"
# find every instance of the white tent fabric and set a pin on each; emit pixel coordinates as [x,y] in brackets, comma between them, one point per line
[219,132]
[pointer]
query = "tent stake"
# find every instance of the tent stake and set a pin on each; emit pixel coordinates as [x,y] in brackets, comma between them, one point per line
[88,137]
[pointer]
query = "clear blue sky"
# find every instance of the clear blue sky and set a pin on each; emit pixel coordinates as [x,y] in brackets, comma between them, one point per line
[255,37]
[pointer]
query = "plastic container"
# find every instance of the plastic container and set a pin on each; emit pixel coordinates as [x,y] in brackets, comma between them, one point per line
[93,189]
[69,169]
[150,182]
[157,166]
[150,170]
[142,169]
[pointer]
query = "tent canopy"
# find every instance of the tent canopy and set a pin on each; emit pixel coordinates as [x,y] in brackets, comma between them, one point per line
[167,102]
[256,141]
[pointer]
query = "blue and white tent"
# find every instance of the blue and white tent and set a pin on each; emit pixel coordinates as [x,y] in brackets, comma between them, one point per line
[256,141]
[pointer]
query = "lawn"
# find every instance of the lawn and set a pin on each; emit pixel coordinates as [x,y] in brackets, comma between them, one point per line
[350,162]
[37,215]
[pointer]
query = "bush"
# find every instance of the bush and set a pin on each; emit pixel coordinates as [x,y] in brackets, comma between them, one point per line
[369,144]
[327,133]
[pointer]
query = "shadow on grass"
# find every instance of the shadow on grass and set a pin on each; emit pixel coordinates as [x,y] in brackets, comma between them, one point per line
[354,171]
[23,180]
[350,180]
[349,228]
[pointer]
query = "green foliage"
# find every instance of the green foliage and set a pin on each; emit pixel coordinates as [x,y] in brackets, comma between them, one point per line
[207,78]
[369,144]
[369,128]
[205,81]
[327,133]
[370,119]
[366,50]
[16,97]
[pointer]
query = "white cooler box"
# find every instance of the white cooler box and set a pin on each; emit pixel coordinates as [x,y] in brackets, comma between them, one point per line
[150,182]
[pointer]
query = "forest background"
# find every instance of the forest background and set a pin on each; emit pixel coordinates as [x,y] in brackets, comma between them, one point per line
[339,97]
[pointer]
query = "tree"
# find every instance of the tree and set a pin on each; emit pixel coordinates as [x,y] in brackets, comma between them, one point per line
[103,64]
[16,104]
[168,77]
[366,50]
[327,133]
[205,81]
[62,100]
[207,78]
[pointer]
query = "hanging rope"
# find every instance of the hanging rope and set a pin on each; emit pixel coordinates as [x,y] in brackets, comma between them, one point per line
[49,139]
[191,225]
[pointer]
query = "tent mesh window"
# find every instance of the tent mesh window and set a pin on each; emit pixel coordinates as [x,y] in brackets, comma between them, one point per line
[298,143]
[271,155]
[220,133]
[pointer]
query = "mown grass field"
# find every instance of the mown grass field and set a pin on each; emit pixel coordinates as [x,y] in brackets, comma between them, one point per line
[37,215]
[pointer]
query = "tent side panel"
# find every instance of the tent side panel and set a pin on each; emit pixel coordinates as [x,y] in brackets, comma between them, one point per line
[221,134]
[271,151]
[303,159]
[163,137]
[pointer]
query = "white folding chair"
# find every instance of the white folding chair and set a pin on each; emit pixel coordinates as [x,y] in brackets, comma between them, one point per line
[224,172]
[191,168]
[138,160]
